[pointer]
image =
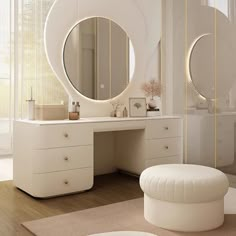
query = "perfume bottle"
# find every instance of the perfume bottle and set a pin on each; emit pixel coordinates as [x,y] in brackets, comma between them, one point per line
[125,112]
[77,109]
[74,114]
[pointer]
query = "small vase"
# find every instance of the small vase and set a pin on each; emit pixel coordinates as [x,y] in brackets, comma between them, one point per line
[152,104]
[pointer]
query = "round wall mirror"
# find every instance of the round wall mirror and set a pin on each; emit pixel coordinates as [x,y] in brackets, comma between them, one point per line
[212,65]
[99,58]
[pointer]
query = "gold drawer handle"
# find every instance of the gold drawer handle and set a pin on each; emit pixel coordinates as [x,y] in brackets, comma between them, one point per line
[166,147]
[66,158]
[66,182]
[66,135]
[166,128]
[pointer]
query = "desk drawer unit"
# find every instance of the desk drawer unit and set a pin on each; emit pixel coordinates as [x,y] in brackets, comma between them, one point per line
[164,142]
[60,159]
[53,158]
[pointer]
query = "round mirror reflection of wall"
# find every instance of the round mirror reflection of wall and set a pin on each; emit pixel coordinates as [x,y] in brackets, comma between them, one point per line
[99,58]
[212,66]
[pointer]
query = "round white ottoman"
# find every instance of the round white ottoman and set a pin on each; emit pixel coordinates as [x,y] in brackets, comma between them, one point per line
[183,197]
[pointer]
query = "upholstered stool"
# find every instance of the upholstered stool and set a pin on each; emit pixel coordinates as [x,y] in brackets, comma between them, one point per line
[186,198]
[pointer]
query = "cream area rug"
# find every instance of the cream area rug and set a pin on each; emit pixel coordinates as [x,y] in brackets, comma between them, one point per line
[123,216]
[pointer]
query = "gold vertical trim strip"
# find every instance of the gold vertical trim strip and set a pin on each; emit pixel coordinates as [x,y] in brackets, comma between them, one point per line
[98,58]
[127,64]
[110,73]
[186,87]
[161,58]
[215,84]
[95,59]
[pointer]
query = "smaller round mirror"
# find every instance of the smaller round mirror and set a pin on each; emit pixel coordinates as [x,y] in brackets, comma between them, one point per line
[212,66]
[99,58]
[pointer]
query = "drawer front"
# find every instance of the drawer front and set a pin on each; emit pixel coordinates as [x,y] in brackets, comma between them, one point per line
[60,159]
[164,128]
[164,147]
[164,160]
[53,136]
[63,182]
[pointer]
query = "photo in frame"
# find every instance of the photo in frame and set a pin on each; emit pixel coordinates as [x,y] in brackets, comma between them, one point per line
[137,107]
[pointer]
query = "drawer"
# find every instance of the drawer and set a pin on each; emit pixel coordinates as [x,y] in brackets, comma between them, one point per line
[163,160]
[164,128]
[53,136]
[62,182]
[60,159]
[164,147]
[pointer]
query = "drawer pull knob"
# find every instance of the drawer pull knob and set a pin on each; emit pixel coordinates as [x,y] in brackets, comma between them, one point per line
[166,147]
[66,135]
[66,158]
[166,128]
[66,182]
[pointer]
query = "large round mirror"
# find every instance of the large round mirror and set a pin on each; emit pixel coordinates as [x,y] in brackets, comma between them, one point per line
[99,58]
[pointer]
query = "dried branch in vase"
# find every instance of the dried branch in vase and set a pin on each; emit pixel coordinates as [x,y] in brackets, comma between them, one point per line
[152,88]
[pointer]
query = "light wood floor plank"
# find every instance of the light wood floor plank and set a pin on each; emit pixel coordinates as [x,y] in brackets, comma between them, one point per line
[17,207]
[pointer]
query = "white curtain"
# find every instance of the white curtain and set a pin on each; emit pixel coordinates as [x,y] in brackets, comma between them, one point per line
[23,64]
[33,70]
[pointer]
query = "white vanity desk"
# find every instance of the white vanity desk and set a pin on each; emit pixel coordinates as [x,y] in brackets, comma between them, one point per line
[57,157]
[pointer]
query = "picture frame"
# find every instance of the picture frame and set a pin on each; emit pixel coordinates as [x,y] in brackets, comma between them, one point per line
[137,107]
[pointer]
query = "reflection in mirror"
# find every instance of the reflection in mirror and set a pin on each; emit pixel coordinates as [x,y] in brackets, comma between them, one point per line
[213,75]
[99,58]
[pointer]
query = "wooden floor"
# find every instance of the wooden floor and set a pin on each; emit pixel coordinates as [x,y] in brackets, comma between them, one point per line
[17,207]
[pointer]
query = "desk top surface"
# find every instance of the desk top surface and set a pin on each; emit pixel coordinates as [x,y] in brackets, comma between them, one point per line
[95,120]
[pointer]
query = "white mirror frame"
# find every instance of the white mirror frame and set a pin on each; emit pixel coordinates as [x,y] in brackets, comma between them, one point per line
[134,16]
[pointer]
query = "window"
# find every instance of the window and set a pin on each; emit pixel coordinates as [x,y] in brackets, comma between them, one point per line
[221,5]
[33,69]
[5,76]
[22,28]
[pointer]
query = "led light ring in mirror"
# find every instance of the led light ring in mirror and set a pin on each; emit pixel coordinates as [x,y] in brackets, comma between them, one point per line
[191,61]
[210,66]
[98,58]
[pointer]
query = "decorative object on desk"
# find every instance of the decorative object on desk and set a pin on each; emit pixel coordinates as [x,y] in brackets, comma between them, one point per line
[116,107]
[119,113]
[74,114]
[77,108]
[153,113]
[137,107]
[31,106]
[152,89]
[125,112]
[51,112]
